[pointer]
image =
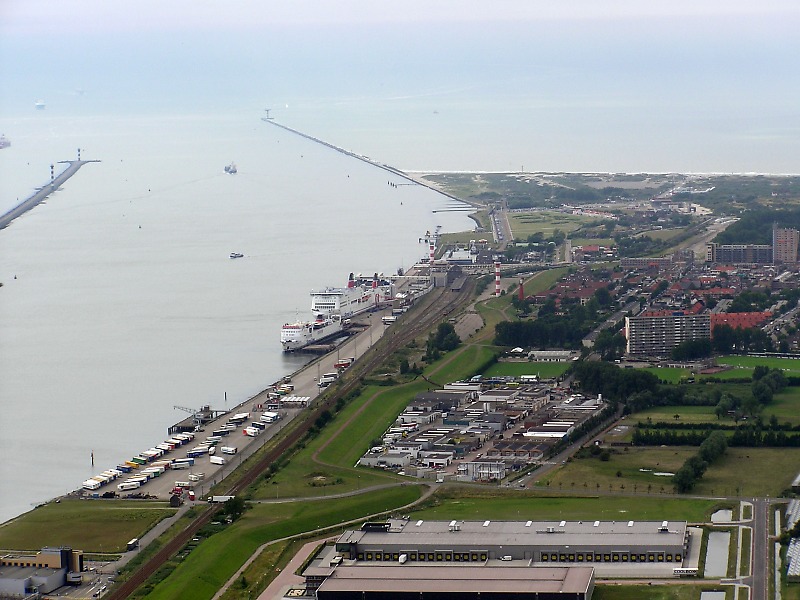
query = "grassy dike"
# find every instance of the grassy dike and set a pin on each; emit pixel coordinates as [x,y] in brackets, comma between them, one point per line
[200,573]
[94,526]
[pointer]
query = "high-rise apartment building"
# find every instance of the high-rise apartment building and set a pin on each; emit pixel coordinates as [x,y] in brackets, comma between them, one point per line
[784,245]
[657,335]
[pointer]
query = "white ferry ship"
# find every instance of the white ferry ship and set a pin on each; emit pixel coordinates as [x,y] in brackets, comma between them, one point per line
[331,306]
[298,335]
[360,295]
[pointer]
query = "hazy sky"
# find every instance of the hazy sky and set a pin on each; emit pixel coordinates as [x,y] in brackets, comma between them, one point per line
[665,84]
[29,16]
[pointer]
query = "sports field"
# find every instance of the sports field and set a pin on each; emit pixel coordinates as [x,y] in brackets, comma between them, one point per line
[545,370]
[791,366]
[676,375]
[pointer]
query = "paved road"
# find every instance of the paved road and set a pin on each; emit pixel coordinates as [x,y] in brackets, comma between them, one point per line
[760,550]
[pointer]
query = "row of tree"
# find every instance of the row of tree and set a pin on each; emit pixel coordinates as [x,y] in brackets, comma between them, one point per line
[743,436]
[725,339]
[711,449]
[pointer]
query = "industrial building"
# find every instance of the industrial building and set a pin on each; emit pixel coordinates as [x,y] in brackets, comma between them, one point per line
[536,542]
[24,574]
[400,582]
[474,560]
[659,334]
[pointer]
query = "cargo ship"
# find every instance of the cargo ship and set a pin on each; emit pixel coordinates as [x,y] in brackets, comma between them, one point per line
[295,336]
[332,306]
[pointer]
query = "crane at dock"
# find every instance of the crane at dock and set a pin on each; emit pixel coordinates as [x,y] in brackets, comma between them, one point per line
[196,414]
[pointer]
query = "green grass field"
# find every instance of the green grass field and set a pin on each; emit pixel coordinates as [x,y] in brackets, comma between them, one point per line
[790,365]
[785,406]
[675,375]
[746,545]
[510,505]
[593,474]
[687,414]
[665,234]
[546,222]
[579,241]
[208,566]
[657,592]
[545,370]
[769,471]
[89,525]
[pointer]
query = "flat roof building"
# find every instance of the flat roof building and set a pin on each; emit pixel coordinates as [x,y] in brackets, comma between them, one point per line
[537,542]
[659,334]
[733,254]
[401,582]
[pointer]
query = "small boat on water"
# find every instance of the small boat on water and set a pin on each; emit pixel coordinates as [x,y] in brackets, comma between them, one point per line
[236,255]
[4,143]
[231,169]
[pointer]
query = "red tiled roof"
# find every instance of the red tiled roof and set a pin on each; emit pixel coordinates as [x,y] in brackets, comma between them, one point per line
[745,320]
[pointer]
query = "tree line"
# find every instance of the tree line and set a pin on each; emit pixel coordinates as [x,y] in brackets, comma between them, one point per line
[743,436]
[693,469]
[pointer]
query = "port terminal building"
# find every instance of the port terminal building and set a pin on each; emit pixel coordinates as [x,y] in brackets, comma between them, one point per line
[24,575]
[544,542]
[402,558]
[401,582]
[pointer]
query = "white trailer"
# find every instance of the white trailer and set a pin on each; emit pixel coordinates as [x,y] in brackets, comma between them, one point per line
[216,499]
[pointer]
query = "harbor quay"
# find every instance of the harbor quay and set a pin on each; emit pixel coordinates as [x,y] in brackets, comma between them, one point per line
[201,450]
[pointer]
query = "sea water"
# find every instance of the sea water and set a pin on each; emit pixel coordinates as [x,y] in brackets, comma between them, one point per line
[119,299]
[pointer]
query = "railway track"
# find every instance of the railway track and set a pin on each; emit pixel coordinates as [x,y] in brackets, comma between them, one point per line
[438,309]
